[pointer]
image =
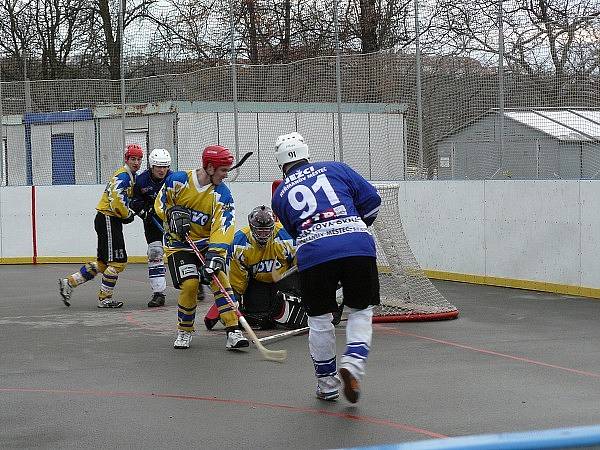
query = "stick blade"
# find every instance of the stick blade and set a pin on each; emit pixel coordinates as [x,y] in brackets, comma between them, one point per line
[274,355]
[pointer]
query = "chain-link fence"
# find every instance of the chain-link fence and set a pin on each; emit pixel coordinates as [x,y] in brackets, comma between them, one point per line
[395,95]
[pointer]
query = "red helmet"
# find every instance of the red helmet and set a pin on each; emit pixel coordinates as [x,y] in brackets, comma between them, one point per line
[134,150]
[216,155]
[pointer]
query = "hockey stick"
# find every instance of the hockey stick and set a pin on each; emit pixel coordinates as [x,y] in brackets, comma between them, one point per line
[272,355]
[277,278]
[284,335]
[238,165]
[289,333]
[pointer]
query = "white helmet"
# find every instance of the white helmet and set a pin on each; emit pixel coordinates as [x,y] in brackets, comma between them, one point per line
[159,157]
[289,148]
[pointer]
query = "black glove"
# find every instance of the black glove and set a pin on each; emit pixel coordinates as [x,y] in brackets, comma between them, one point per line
[146,213]
[129,218]
[179,221]
[136,204]
[213,263]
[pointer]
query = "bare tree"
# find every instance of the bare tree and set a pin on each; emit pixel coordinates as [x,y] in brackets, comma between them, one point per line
[541,36]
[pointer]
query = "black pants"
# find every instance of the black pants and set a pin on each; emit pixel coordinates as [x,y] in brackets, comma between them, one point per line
[360,284]
[111,244]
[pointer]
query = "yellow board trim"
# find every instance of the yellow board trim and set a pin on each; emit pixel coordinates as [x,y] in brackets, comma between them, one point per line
[64,260]
[529,285]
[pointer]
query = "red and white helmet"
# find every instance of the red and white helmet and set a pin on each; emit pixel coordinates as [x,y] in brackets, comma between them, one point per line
[159,157]
[134,150]
[217,156]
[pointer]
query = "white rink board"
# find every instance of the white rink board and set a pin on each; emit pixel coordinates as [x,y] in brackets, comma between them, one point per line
[15,222]
[521,230]
[590,233]
[532,230]
[441,221]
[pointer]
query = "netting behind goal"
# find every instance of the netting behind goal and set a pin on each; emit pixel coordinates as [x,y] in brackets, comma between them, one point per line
[406,292]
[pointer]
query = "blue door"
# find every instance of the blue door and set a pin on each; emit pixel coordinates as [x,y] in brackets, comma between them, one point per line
[63,159]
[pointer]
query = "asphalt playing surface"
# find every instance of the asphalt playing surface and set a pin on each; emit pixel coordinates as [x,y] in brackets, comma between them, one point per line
[79,377]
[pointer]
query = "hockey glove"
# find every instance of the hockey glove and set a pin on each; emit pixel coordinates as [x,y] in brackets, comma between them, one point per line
[179,220]
[213,263]
[129,218]
[136,204]
[146,213]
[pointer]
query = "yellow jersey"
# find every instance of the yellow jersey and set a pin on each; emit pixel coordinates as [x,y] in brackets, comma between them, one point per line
[247,259]
[117,193]
[211,208]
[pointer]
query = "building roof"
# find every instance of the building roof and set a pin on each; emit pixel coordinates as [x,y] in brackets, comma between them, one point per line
[564,124]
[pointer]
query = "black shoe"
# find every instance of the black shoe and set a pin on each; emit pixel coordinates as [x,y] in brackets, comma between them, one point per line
[158,299]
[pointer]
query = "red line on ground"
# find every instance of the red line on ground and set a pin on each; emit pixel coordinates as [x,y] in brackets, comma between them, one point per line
[297,409]
[490,352]
[33,225]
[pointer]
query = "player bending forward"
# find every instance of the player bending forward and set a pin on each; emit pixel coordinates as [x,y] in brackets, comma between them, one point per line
[327,207]
[113,212]
[147,185]
[197,203]
[258,252]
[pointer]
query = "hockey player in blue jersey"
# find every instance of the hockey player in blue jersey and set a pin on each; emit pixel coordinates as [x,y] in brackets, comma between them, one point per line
[327,207]
[147,185]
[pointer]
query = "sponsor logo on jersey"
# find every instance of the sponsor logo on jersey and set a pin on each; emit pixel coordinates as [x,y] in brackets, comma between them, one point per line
[199,217]
[187,269]
[336,227]
[329,214]
[265,266]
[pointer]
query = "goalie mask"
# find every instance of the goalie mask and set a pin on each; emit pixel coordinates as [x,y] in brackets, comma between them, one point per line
[262,223]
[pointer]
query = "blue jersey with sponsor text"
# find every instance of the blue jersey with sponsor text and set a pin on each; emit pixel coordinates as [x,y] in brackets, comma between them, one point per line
[324,206]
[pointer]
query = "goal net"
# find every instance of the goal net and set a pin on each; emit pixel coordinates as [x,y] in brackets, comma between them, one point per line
[406,292]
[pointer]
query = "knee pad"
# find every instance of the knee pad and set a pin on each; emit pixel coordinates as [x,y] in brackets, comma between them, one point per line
[118,267]
[111,271]
[291,312]
[155,251]
[321,323]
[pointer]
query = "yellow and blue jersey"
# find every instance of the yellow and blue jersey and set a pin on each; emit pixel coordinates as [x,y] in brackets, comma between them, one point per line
[211,208]
[249,260]
[117,193]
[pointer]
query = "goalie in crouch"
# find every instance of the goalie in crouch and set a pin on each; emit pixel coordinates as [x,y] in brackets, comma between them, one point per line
[262,252]
[198,204]
[258,252]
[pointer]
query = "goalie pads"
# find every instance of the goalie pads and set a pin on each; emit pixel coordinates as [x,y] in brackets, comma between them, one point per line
[179,220]
[290,311]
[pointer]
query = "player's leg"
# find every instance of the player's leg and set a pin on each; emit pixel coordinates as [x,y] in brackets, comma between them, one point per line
[88,271]
[156,273]
[235,337]
[361,291]
[258,304]
[318,285]
[110,277]
[115,255]
[184,274]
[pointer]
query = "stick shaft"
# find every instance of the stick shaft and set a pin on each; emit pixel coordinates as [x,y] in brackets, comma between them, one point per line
[284,335]
[273,355]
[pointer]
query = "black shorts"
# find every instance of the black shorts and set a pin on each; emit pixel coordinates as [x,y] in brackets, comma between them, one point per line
[151,231]
[111,244]
[360,284]
[183,266]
